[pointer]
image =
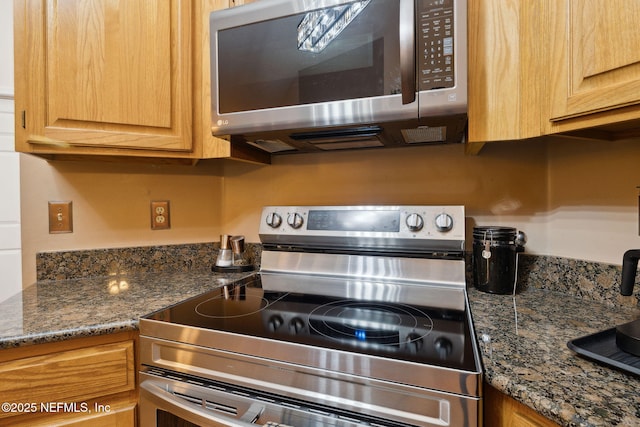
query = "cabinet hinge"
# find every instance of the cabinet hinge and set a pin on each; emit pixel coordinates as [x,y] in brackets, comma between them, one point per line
[24,119]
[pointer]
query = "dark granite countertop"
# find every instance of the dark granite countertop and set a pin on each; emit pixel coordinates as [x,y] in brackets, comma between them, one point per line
[523,345]
[523,341]
[57,310]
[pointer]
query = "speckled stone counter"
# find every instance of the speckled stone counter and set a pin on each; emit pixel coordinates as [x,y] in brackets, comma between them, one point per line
[100,291]
[186,258]
[523,341]
[57,310]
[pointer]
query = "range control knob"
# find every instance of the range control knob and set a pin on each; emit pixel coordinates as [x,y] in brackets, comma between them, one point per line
[274,220]
[414,342]
[275,322]
[295,220]
[296,325]
[414,222]
[444,222]
[443,347]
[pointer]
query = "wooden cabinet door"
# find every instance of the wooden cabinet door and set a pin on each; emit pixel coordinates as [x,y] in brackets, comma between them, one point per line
[501,410]
[505,80]
[103,73]
[595,64]
[89,381]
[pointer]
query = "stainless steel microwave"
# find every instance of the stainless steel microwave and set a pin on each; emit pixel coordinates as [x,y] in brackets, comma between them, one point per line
[314,75]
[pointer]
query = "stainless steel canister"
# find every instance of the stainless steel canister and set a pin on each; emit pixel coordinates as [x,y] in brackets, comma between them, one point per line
[495,258]
[224,255]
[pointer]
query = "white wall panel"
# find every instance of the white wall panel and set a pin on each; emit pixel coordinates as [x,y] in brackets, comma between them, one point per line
[9,237]
[11,276]
[10,243]
[6,48]
[6,124]
[9,188]
[7,109]
[6,142]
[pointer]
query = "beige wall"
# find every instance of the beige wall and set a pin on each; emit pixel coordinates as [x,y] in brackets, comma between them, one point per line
[507,183]
[573,199]
[111,205]
[593,199]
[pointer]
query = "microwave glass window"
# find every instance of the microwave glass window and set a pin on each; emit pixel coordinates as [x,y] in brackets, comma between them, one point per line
[261,65]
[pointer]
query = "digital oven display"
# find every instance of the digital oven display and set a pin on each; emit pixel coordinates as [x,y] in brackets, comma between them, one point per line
[354,220]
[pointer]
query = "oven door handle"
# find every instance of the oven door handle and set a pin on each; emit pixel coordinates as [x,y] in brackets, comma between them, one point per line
[155,393]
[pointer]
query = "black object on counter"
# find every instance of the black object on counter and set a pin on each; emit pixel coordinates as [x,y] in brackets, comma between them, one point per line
[629,268]
[620,346]
[628,337]
[602,347]
[495,259]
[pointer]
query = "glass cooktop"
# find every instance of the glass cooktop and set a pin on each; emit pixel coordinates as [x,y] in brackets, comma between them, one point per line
[391,330]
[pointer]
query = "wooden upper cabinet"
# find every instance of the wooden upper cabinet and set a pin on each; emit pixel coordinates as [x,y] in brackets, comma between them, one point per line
[505,81]
[594,64]
[103,74]
[117,78]
[553,67]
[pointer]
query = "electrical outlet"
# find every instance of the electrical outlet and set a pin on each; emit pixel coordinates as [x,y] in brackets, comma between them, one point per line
[60,217]
[160,215]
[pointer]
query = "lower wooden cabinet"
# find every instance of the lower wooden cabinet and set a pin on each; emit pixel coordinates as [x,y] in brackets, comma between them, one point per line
[78,382]
[501,410]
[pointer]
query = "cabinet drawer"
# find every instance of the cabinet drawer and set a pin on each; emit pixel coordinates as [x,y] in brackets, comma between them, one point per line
[119,415]
[69,376]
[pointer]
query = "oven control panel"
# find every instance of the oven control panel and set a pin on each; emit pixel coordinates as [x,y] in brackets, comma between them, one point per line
[396,227]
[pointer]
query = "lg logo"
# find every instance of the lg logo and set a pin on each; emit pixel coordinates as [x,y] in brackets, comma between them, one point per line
[222,122]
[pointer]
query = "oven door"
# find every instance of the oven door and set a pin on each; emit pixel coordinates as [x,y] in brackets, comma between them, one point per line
[171,401]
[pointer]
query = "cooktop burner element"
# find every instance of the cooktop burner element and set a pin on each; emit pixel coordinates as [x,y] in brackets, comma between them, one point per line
[391,330]
[369,322]
[233,301]
[359,311]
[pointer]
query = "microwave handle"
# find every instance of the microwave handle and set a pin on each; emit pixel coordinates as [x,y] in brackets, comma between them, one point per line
[407,30]
[163,399]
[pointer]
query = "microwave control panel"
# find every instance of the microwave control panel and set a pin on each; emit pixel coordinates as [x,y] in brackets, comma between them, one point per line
[435,44]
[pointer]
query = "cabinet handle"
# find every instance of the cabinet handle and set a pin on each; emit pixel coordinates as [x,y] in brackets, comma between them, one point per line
[43,140]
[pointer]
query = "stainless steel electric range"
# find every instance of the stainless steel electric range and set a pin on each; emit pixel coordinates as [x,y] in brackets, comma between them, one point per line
[358,316]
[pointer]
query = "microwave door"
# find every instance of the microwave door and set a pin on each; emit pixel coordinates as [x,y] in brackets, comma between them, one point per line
[264,78]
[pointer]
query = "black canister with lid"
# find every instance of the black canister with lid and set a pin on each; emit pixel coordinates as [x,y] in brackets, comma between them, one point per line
[495,258]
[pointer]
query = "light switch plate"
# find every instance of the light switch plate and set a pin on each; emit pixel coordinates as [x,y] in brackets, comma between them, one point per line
[60,217]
